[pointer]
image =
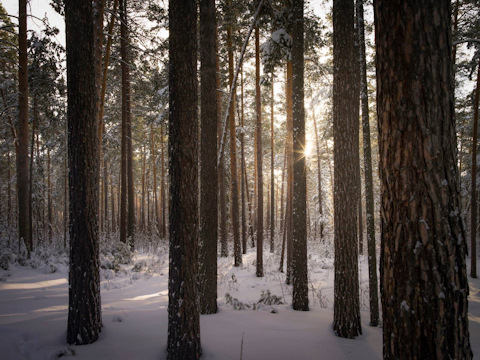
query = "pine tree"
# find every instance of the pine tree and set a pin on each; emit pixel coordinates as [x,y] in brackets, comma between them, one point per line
[346,316]
[24,213]
[367,154]
[299,209]
[183,304]
[84,310]
[424,283]
[208,161]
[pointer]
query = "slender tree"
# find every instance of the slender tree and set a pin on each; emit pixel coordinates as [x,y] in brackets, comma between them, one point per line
[234,205]
[24,213]
[84,310]
[125,119]
[183,304]
[259,154]
[367,163]
[473,213]
[346,322]
[208,161]
[272,175]
[424,283]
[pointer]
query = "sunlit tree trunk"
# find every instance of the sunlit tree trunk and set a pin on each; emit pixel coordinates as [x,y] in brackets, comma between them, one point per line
[242,168]
[367,163]
[299,209]
[424,283]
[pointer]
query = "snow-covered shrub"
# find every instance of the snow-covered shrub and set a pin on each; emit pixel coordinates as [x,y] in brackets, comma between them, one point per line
[139,266]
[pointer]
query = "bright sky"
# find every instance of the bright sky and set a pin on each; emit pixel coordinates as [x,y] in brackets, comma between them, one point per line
[39,8]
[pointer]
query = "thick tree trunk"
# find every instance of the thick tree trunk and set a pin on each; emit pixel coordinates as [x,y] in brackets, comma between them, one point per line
[84,311]
[183,307]
[208,159]
[24,215]
[346,322]
[424,282]
[367,163]
[299,210]
[258,130]
[234,203]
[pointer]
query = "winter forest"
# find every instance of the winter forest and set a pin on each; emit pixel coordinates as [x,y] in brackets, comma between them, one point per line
[231,179]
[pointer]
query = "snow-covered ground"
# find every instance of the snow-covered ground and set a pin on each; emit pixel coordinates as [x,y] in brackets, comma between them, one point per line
[33,314]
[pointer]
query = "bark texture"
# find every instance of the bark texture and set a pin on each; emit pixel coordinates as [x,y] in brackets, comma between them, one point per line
[423,274]
[346,318]
[183,304]
[84,311]
[208,160]
[299,209]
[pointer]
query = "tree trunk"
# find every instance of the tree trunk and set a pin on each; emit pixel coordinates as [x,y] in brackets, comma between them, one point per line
[289,142]
[258,110]
[234,204]
[272,175]
[24,215]
[112,206]
[473,193]
[49,199]
[367,163]
[154,166]
[423,280]
[221,167]
[183,310]
[130,181]
[242,169]
[345,130]
[163,187]
[84,310]
[142,206]
[299,210]
[319,175]
[208,159]
[30,180]
[125,119]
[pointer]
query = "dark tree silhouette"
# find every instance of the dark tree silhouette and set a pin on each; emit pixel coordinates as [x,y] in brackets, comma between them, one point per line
[84,310]
[183,305]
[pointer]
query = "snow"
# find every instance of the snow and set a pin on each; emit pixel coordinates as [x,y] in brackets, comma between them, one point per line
[33,314]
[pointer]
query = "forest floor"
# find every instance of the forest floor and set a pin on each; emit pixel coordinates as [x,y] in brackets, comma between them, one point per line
[255,319]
